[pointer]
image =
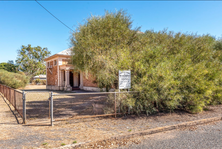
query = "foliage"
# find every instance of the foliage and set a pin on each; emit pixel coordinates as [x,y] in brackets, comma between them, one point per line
[169,70]
[31,60]
[13,80]
[21,73]
[100,43]
[38,82]
[9,66]
[177,71]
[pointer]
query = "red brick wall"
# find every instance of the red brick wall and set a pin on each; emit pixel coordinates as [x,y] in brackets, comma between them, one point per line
[88,81]
[52,78]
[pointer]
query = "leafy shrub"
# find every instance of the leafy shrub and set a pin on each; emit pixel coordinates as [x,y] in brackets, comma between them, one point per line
[174,71]
[169,70]
[177,71]
[39,82]
[13,80]
[43,82]
[21,73]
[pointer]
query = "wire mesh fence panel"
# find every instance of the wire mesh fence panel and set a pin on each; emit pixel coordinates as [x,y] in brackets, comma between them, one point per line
[1,88]
[7,93]
[88,104]
[14,97]
[5,90]
[19,102]
[37,105]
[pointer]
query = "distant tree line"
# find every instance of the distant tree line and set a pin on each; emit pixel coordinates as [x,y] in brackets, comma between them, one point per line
[9,66]
[29,63]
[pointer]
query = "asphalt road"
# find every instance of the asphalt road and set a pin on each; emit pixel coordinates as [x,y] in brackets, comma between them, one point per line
[199,137]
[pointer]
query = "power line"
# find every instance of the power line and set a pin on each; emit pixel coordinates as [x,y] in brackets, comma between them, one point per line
[54,16]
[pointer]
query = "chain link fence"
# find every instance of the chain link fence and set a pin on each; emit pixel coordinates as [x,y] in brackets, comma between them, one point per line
[86,105]
[58,106]
[14,96]
[37,105]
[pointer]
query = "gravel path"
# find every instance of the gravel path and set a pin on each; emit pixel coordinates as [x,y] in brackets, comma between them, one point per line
[201,137]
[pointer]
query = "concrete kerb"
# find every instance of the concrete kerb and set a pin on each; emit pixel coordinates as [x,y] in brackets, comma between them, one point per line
[147,132]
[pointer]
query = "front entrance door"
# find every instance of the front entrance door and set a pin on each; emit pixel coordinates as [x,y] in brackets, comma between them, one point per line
[76,79]
[71,78]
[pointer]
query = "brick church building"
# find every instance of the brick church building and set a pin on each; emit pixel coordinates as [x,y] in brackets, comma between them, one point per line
[60,74]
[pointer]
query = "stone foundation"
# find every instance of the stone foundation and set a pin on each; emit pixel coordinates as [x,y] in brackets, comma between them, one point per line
[51,87]
[86,88]
[96,89]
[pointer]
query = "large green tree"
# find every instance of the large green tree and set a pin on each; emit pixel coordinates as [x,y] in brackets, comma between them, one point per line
[102,43]
[169,70]
[30,60]
[9,66]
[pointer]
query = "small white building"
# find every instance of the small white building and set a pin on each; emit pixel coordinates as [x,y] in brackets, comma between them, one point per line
[41,77]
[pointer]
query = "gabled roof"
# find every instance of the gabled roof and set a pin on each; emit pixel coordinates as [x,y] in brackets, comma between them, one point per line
[66,53]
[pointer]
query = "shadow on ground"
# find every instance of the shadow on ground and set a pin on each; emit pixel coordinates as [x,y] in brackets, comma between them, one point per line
[69,106]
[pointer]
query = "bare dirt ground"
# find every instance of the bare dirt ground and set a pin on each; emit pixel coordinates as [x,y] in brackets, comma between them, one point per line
[66,106]
[40,134]
[34,87]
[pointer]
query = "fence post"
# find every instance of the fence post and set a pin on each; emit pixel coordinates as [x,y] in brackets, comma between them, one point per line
[115,104]
[24,107]
[51,108]
[49,104]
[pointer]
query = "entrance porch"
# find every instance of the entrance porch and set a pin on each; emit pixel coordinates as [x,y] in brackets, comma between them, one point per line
[69,79]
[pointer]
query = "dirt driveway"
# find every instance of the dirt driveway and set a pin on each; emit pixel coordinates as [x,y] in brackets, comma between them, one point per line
[13,135]
[40,134]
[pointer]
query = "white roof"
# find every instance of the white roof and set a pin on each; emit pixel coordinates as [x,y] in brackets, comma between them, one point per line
[40,76]
[66,52]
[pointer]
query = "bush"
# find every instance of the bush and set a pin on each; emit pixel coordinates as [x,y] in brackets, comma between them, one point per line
[21,73]
[43,82]
[39,82]
[169,70]
[177,71]
[13,80]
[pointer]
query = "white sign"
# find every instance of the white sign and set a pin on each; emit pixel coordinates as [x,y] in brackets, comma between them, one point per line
[125,79]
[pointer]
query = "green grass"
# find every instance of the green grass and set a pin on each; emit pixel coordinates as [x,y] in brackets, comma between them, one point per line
[74,142]
[44,143]
[63,144]
[129,130]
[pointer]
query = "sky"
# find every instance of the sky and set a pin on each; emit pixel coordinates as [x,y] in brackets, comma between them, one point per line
[26,22]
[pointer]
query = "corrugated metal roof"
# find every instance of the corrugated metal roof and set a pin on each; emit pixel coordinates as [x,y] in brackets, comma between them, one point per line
[66,52]
[39,76]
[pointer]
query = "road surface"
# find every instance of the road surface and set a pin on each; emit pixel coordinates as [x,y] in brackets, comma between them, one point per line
[207,136]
